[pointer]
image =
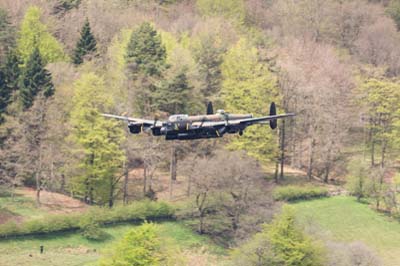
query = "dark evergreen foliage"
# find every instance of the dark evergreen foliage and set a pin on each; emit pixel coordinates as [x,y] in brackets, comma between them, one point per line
[173,96]
[12,70]
[63,6]
[7,39]
[9,75]
[145,52]
[85,45]
[35,78]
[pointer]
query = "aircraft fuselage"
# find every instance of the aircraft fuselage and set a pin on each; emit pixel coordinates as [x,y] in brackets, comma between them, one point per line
[185,127]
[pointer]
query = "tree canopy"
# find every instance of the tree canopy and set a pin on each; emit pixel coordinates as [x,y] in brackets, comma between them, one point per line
[34,33]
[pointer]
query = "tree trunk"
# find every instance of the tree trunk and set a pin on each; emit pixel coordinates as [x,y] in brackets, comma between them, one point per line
[189,187]
[38,189]
[201,224]
[311,159]
[383,153]
[62,185]
[327,171]
[276,174]
[373,153]
[125,187]
[144,179]
[282,158]
[111,194]
[38,177]
[173,162]
[172,169]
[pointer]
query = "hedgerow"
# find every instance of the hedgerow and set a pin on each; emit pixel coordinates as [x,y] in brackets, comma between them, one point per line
[292,193]
[135,212]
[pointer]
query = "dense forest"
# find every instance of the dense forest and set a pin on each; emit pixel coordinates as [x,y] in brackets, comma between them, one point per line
[334,63]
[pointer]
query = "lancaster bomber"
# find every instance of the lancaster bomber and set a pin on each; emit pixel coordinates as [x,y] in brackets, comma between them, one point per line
[185,127]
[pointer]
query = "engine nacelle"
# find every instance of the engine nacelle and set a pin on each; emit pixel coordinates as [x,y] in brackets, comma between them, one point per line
[135,128]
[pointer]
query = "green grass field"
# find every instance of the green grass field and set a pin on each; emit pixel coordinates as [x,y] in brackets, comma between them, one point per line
[20,206]
[72,249]
[347,220]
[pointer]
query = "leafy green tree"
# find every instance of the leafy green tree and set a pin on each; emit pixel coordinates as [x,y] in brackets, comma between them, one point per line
[145,51]
[85,45]
[358,182]
[249,87]
[34,79]
[33,33]
[381,100]
[99,142]
[141,246]
[281,243]
[290,246]
[6,33]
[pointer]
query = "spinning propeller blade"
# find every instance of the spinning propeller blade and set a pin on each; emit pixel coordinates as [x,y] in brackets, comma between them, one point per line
[210,109]
[272,111]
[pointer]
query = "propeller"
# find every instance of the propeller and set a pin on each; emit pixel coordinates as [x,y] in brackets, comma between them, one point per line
[210,109]
[272,111]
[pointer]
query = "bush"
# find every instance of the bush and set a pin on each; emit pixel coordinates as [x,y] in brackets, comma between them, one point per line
[142,246]
[92,231]
[91,221]
[282,242]
[292,193]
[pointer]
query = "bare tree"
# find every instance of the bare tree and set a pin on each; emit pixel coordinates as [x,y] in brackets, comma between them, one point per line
[317,86]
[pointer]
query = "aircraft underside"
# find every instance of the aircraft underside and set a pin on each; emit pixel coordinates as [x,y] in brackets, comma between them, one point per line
[188,134]
[203,133]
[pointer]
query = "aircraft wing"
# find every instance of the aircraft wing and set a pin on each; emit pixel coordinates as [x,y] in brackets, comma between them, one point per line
[249,121]
[264,119]
[127,119]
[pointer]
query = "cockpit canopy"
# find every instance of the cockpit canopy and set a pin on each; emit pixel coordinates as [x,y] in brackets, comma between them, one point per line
[177,118]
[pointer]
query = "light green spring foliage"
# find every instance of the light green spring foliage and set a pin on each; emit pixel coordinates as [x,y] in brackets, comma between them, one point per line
[115,76]
[357,182]
[381,99]
[141,246]
[34,33]
[232,9]
[289,245]
[249,87]
[280,243]
[98,138]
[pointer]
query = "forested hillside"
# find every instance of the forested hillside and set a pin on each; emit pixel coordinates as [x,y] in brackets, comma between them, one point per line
[336,64]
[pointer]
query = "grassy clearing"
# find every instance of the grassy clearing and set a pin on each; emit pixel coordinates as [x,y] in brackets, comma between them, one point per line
[347,220]
[21,206]
[74,250]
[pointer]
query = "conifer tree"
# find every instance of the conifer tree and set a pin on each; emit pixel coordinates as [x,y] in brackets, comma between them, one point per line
[6,33]
[35,78]
[85,45]
[12,70]
[173,96]
[145,51]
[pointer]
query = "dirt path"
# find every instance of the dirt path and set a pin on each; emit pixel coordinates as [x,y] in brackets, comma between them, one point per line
[55,202]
